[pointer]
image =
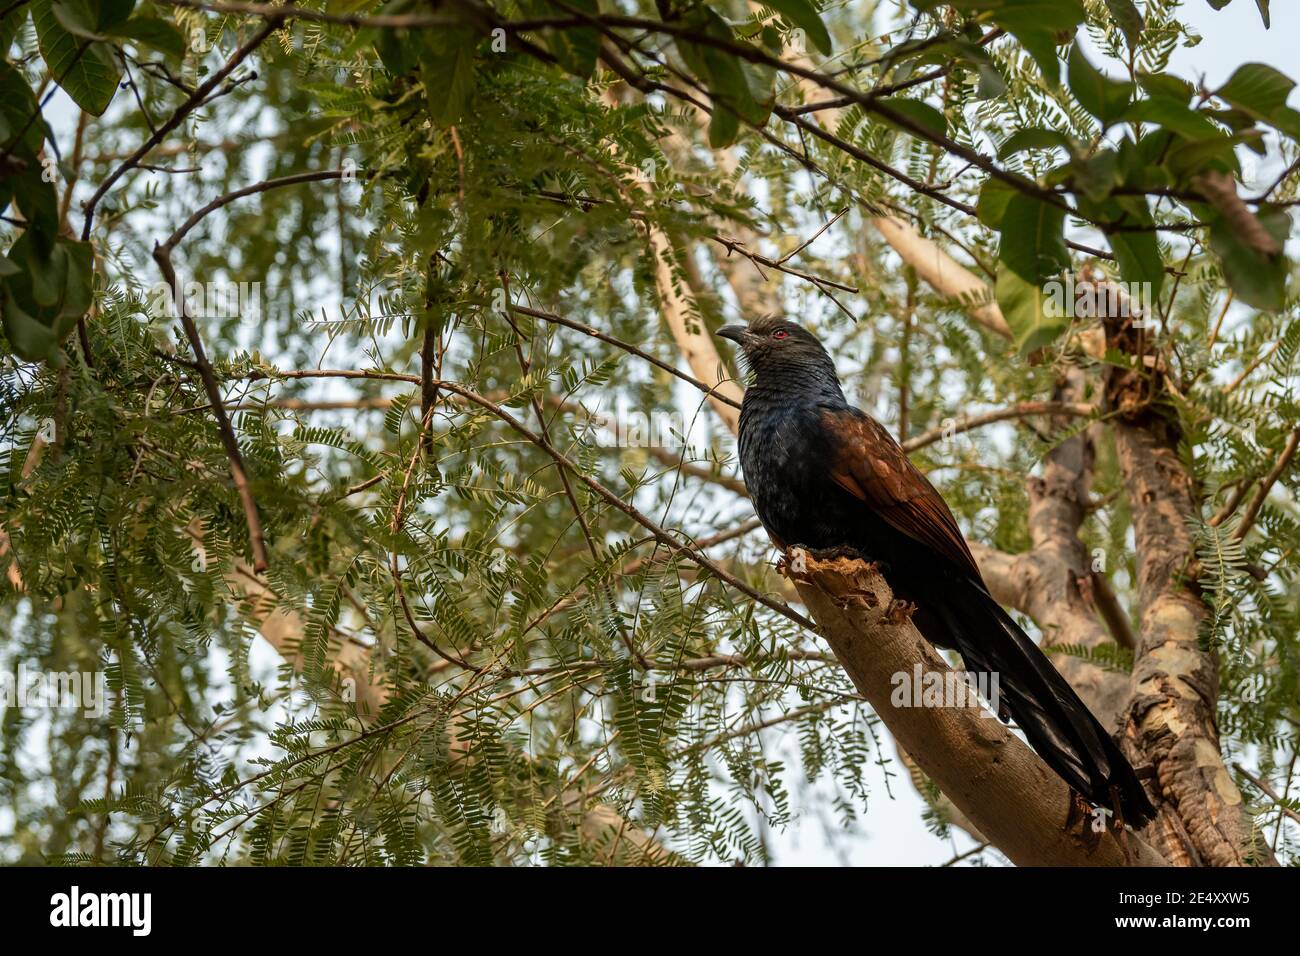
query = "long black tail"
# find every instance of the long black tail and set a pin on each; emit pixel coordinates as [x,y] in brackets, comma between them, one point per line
[1058,725]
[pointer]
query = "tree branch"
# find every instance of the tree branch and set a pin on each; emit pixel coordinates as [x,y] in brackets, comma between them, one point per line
[1006,791]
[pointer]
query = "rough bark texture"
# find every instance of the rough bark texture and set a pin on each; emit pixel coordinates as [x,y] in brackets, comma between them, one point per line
[1011,796]
[1175,683]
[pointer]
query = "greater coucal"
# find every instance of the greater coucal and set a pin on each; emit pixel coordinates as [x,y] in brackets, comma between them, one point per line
[825,475]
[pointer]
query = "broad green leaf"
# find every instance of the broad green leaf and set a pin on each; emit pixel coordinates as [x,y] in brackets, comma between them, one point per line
[730,86]
[961,49]
[78,17]
[1031,253]
[1138,256]
[153,32]
[1052,15]
[1128,18]
[724,126]
[1104,98]
[1167,85]
[48,293]
[1172,115]
[921,114]
[1218,152]
[1033,238]
[38,201]
[113,12]
[1041,45]
[398,49]
[1034,137]
[1097,175]
[578,48]
[1030,314]
[802,14]
[1257,89]
[86,69]
[448,76]
[1257,279]
[992,204]
[32,340]
[19,114]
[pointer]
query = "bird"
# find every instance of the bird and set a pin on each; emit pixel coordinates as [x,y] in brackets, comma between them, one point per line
[825,476]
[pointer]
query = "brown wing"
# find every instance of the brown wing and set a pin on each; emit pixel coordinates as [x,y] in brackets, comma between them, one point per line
[868,463]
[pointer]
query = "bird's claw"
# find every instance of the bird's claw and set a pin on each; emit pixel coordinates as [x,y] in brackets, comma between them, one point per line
[899,611]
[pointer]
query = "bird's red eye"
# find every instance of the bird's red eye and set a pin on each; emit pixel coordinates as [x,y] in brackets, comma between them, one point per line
[780,334]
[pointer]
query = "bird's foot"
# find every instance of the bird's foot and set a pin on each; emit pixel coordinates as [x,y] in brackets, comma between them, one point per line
[899,611]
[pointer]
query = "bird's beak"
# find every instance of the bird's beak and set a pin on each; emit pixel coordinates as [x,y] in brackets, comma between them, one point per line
[734,332]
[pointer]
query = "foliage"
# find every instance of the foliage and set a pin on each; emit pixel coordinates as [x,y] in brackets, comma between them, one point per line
[544,656]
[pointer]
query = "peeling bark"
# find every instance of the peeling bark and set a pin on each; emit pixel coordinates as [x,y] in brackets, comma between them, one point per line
[1170,719]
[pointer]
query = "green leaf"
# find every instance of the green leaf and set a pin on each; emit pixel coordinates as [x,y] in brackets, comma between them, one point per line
[577,49]
[1218,152]
[1260,92]
[1256,279]
[921,114]
[1128,19]
[448,77]
[1032,252]
[1052,15]
[398,49]
[31,339]
[1138,257]
[1104,98]
[1167,85]
[47,294]
[113,12]
[1036,24]
[802,14]
[1041,45]
[152,32]
[1172,115]
[724,127]
[992,83]
[739,92]
[1028,312]
[1257,89]
[38,201]
[992,204]
[1097,175]
[86,69]
[78,17]
[19,114]
[1035,137]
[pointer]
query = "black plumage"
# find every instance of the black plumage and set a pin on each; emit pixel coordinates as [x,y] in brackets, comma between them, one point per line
[825,475]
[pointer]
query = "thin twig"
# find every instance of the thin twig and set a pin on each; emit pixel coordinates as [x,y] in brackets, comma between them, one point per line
[1252,510]
[178,116]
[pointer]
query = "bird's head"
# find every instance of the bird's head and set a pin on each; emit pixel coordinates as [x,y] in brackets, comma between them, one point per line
[785,355]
